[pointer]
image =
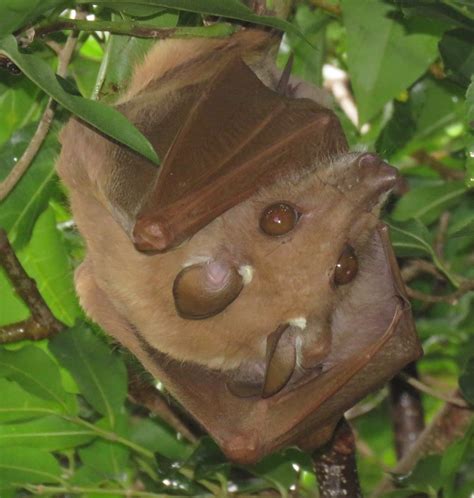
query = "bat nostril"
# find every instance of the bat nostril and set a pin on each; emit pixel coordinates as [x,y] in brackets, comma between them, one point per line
[378,172]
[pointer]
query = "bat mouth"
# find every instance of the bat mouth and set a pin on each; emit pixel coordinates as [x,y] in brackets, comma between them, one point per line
[282,370]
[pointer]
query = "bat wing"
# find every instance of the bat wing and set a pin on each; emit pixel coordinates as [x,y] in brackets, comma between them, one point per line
[238,136]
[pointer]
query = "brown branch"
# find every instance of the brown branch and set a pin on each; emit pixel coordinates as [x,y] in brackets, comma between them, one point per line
[452,298]
[416,267]
[448,425]
[335,465]
[421,386]
[366,406]
[20,168]
[42,322]
[143,393]
[423,157]
[406,410]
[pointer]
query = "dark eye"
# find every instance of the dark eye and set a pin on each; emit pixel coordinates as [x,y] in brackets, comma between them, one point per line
[347,266]
[278,219]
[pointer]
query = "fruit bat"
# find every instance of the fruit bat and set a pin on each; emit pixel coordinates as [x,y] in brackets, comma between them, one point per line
[250,272]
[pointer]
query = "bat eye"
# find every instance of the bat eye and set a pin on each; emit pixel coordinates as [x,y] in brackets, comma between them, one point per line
[278,219]
[204,290]
[347,266]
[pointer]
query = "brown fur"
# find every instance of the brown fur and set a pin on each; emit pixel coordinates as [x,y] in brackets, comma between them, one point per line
[127,291]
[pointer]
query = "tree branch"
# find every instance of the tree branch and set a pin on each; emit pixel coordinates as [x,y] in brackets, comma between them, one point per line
[406,410]
[423,157]
[20,168]
[335,465]
[448,425]
[42,322]
[452,298]
[421,386]
[131,28]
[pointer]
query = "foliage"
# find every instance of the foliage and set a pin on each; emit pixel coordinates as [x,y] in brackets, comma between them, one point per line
[66,426]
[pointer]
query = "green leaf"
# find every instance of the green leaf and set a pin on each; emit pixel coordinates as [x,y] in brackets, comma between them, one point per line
[37,373]
[28,466]
[100,373]
[232,9]
[410,236]
[107,458]
[466,381]
[383,55]
[20,103]
[435,105]
[18,404]
[454,455]
[50,433]
[46,260]
[20,210]
[122,54]
[457,50]
[104,118]
[470,145]
[153,436]
[426,476]
[15,14]
[426,203]
[12,308]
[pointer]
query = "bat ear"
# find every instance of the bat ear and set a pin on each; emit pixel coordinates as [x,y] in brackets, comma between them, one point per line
[238,136]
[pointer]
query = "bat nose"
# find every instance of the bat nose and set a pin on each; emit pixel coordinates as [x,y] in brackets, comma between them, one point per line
[377,172]
[367,180]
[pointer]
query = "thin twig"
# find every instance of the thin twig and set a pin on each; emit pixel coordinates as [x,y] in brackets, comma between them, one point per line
[452,298]
[20,168]
[448,425]
[421,386]
[423,157]
[7,185]
[416,267]
[366,406]
[42,322]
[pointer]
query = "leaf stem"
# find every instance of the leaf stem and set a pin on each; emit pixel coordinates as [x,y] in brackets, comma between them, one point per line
[110,436]
[59,490]
[132,28]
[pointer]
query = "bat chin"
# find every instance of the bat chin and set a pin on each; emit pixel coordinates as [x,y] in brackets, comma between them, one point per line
[288,362]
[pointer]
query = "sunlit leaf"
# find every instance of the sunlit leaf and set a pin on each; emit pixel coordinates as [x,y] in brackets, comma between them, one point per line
[426,203]
[50,433]
[37,373]
[18,404]
[46,260]
[383,55]
[28,466]
[101,116]
[20,210]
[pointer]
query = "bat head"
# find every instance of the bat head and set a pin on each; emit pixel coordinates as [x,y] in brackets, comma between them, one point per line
[252,272]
